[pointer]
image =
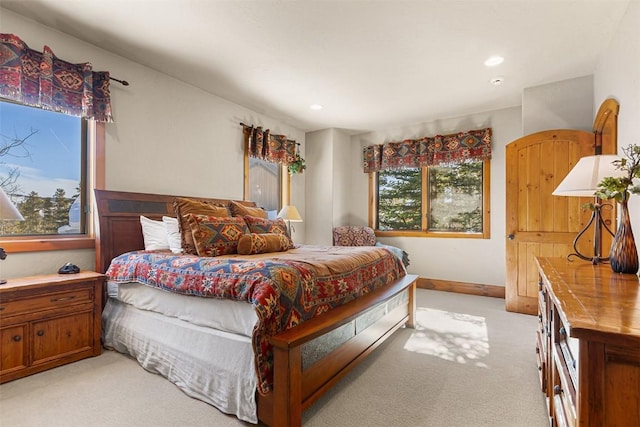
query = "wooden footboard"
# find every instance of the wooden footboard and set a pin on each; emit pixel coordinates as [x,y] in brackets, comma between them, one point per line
[295,388]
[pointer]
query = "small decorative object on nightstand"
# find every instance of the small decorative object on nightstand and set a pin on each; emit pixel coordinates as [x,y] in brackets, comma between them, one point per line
[47,321]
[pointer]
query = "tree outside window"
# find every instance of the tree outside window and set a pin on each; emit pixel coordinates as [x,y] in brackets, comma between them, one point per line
[41,170]
[449,201]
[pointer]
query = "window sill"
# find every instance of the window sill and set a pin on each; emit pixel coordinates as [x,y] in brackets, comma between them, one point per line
[48,243]
[431,234]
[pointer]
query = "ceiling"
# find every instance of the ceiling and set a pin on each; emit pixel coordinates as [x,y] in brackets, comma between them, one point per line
[371,64]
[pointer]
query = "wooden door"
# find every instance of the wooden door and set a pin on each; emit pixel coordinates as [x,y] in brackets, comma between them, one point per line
[538,223]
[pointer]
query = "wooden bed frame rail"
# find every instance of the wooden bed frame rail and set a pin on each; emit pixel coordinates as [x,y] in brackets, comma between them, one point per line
[295,388]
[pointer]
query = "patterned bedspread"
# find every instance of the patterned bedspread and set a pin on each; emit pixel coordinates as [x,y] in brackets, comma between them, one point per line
[286,288]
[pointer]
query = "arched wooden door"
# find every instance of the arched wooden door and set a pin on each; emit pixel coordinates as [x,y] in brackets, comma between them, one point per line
[538,223]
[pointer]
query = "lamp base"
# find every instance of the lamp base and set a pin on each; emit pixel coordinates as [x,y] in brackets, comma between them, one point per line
[596,219]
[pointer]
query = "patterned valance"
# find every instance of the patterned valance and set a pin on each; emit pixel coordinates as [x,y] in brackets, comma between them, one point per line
[428,151]
[42,80]
[267,146]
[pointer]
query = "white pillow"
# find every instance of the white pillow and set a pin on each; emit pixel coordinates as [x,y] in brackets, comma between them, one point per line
[173,234]
[154,234]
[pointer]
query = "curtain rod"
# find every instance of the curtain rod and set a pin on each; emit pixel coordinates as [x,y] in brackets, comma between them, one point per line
[122,82]
[242,124]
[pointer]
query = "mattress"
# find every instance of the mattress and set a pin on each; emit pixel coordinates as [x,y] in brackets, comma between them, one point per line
[214,366]
[237,317]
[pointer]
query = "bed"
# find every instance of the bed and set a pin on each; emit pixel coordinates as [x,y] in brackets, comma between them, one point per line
[240,364]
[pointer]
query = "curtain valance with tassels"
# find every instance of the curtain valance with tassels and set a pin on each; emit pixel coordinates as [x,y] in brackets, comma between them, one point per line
[41,79]
[428,151]
[267,146]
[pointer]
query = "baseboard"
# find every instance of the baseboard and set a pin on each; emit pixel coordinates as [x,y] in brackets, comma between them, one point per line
[462,287]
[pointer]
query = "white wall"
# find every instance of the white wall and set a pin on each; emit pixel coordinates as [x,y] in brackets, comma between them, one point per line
[464,260]
[561,105]
[343,164]
[319,187]
[618,76]
[168,137]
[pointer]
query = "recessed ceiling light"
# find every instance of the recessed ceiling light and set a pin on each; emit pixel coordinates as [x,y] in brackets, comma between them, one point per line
[493,61]
[315,107]
[497,81]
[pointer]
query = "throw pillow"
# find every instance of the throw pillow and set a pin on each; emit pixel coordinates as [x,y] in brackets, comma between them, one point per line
[173,234]
[263,243]
[238,209]
[154,234]
[183,207]
[262,225]
[215,236]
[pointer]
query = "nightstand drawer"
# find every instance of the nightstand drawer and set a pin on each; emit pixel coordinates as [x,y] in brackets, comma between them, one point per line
[46,302]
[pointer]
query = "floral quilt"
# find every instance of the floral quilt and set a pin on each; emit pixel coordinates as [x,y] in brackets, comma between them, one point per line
[285,289]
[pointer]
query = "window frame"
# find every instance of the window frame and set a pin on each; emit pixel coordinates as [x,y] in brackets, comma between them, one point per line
[424,232]
[94,165]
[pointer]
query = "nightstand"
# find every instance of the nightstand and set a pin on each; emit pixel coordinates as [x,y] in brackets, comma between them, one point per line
[48,321]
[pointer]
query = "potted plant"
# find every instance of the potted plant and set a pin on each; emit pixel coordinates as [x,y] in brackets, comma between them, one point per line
[624,254]
[297,166]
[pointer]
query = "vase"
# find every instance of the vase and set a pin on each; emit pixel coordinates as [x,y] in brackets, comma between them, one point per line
[624,254]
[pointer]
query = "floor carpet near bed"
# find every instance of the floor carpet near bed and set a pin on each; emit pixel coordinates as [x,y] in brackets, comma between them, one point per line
[468,363]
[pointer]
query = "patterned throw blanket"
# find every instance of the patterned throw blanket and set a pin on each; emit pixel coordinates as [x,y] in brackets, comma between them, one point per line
[285,288]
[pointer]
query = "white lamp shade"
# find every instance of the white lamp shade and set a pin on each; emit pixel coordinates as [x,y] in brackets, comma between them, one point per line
[290,213]
[8,211]
[583,179]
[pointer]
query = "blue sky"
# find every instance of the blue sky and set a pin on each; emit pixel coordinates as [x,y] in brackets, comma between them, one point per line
[54,160]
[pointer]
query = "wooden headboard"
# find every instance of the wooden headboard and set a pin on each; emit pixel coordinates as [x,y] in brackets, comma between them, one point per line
[118,227]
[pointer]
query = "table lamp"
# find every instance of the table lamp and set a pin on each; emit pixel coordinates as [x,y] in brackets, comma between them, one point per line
[290,214]
[8,212]
[582,181]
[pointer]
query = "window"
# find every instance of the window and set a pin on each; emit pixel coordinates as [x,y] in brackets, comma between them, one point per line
[47,167]
[439,201]
[266,184]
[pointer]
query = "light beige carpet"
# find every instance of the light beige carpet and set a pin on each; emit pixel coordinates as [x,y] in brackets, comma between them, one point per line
[468,363]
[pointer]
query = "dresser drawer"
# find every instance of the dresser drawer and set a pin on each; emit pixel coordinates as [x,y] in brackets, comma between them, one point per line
[568,351]
[564,392]
[541,362]
[46,302]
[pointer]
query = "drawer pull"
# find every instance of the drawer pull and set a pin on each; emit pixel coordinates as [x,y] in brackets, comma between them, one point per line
[63,299]
[40,333]
[563,331]
[557,389]
[17,338]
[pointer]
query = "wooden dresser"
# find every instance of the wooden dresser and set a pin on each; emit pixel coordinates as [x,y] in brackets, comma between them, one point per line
[588,344]
[47,321]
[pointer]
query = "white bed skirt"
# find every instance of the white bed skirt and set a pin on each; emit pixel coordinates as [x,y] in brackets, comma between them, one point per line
[214,366]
